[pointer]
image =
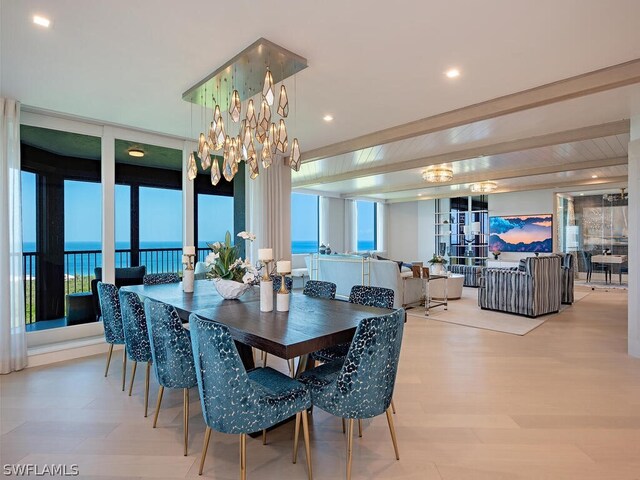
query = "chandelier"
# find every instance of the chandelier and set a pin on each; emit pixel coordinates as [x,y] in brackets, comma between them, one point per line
[437,174]
[483,187]
[613,197]
[248,130]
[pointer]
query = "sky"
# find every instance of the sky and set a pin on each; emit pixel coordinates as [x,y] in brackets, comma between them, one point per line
[304,217]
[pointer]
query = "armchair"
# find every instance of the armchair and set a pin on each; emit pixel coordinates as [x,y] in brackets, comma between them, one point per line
[568,275]
[535,291]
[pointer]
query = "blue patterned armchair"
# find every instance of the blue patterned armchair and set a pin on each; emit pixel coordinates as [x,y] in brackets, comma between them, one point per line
[136,338]
[172,355]
[361,386]
[112,321]
[534,291]
[160,278]
[239,402]
[320,289]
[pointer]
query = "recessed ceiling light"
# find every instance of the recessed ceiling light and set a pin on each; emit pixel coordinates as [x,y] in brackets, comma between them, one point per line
[136,152]
[42,21]
[452,73]
[327,118]
[594,176]
[582,194]
[419,194]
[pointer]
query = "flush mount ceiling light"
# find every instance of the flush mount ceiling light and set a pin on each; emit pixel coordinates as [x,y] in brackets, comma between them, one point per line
[594,176]
[452,73]
[42,21]
[327,118]
[437,174]
[483,187]
[135,152]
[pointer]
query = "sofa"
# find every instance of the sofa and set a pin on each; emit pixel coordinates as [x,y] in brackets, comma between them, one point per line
[534,291]
[568,276]
[124,276]
[471,274]
[347,270]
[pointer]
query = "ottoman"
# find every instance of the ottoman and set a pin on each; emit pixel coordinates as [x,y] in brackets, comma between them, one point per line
[454,287]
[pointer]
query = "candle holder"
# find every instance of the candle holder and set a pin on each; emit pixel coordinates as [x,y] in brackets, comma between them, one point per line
[283,296]
[283,285]
[265,275]
[188,274]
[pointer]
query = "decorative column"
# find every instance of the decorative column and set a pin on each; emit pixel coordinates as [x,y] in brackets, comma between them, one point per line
[634,236]
[108,174]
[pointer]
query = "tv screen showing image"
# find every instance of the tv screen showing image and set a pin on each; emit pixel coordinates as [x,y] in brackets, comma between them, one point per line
[521,233]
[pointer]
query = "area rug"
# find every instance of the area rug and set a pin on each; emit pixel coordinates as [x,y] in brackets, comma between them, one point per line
[466,312]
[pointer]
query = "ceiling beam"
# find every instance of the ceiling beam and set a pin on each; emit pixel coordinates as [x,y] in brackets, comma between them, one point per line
[608,78]
[496,175]
[528,143]
[524,188]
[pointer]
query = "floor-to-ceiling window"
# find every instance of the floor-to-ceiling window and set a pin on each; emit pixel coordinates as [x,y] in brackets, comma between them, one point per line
[304,223]
[28,182]
[215,218]
[366,226]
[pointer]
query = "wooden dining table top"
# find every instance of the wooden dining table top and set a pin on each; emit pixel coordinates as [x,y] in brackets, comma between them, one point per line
[310,324]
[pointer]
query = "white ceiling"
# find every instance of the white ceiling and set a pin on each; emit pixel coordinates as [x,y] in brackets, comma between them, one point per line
[371,68]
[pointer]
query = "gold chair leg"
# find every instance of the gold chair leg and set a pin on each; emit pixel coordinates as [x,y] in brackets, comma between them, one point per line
[349,447]
[146,390]
[124,367]
[243,456]
[292,368]
[155,418]
[133,376]
[343,425]
[307,446]
[106,371]
[185,420]
[296,437]
[207,436]
[393,407]
[393,433]
[264,436]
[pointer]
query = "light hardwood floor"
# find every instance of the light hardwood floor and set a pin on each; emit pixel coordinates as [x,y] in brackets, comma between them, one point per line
[562,402]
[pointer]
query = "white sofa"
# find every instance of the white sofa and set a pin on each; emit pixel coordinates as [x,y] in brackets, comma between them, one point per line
[346,271]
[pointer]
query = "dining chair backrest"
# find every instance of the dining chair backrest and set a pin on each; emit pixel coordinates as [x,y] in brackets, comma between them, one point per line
[364,386]
[277,281]
[136,335]
[586,257]
[170,346]
[111,314]
[160,278]
[320,289]
[372,296]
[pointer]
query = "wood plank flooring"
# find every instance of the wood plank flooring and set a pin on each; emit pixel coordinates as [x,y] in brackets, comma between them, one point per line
[562,402]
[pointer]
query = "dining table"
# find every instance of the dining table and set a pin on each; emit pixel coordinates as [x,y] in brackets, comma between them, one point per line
[310,324]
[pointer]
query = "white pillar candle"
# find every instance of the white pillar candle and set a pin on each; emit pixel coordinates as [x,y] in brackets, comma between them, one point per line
[283,266]
[265,254]
[189,250]
[266,296]
[282,302]
[185,259]
[187,281]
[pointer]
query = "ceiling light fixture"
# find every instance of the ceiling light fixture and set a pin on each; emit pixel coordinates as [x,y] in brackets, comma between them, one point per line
[437,174]
[594,176]
[135,152]
[327,118]
[483,187]
[42,21]
[452,73]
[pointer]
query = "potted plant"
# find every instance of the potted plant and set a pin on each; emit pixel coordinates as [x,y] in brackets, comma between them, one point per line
[438,263]
[496,253]
[231,274]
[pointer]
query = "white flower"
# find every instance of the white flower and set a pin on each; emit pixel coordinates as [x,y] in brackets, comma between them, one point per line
[248,277]
[247,236]
[235,264]
[211,258]
[216,245]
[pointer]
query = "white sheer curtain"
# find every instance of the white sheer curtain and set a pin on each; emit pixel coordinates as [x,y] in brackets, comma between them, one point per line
[13,344]
[269,210]
[350,226]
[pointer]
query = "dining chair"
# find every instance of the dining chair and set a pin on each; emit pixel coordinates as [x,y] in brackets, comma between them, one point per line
[160,278]
[320,289]
[171,355]
[277,281]
[362,386]
[235,401]
[112,321]
[136,338]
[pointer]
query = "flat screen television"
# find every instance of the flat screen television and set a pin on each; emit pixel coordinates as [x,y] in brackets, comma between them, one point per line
[521,233]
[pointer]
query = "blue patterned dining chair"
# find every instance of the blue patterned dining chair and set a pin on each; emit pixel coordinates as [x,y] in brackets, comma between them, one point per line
[320,289]
[112,321]
[136,338]
[171,354]
[361,386]
[239,402]
[160,278]
[277,281]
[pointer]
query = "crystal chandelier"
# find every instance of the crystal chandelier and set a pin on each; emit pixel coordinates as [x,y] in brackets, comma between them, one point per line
[483,187]
[614,197]
[437,174]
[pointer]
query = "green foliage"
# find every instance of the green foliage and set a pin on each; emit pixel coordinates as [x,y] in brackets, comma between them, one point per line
[227,263]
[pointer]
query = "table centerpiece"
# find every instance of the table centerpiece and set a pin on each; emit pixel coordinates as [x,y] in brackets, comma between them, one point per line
[232,275]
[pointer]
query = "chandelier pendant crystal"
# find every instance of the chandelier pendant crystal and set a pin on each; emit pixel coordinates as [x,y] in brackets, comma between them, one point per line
[273,137]
[205,159]
[212,136]
[267,90]
[215,172]
[264,119]
[437,174]
[201,141]
[216,114]
[219,132]
[267,158]
[252,120]
[254,168]
[283,103]
[192,169]
[235,107]
[294,159]
[281,137]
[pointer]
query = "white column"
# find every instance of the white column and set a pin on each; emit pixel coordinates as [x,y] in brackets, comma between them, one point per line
[382,224]
[188,193]
[634,237]
[108,177]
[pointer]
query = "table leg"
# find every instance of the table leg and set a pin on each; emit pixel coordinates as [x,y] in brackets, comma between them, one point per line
[246,355]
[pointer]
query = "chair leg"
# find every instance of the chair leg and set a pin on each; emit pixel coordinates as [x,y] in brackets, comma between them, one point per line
[106,371]
[155,418]
[264,436]
[124,367]
[393,407]
[307,446]
[185,421]
[343,425]
[360,428]
[296,437]
[349,447]
[146,390]
[133,376]
[207,436]
[243,456]
[264,364]
[393,433]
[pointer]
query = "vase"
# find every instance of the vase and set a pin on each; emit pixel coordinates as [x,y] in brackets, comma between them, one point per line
[437,269]
[230,289]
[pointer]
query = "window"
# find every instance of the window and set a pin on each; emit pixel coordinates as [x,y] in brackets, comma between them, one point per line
[82,215]
[215,218]
[161,229]
[304,223]
[123,217]
[366,225]
[28,212]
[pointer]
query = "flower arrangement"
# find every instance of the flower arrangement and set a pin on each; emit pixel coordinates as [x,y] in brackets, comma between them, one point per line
[496,253]
[438,259]
[226,264]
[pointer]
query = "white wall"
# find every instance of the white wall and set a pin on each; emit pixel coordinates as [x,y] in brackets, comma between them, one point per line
[633,338]
[332,223]
[411,231]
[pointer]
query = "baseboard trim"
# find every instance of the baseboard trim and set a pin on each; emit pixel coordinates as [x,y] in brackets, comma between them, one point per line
[69,350]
